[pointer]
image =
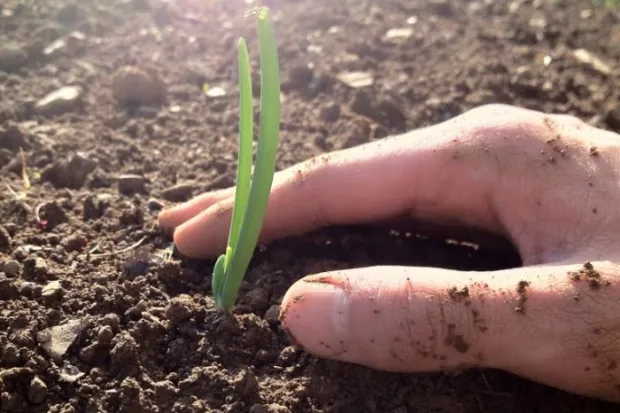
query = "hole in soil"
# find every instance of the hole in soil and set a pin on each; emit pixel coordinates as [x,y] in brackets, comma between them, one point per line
[398,244]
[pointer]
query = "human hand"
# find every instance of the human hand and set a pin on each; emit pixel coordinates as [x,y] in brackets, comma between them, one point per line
[548,183]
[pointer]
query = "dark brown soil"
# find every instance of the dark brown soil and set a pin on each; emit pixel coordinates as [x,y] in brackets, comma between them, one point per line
[141,326]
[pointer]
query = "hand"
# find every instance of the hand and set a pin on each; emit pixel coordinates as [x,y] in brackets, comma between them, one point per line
[549,183]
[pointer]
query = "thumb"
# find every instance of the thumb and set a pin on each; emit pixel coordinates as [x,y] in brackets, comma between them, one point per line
[393,318]
[528,321]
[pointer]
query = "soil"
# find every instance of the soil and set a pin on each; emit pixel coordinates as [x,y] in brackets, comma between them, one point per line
[88,324]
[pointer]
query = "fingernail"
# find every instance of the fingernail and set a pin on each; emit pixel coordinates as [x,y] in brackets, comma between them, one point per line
[315,317]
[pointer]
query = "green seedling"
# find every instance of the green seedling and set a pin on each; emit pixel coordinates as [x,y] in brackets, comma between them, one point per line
[252,191]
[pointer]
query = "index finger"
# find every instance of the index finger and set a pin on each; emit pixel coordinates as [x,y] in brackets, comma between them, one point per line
[414,173]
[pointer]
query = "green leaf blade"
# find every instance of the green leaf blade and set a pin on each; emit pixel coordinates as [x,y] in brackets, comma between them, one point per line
[265,159]
[217,281]
[246,130]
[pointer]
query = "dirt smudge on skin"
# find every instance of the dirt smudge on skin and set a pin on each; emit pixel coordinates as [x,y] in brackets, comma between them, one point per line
[455,340]
[344,284]
[459,295]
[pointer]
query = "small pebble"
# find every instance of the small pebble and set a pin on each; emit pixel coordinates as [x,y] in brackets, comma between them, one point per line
[363,104]
[10,354]
[65,99]
[40,266]
[287,355]
[130,184]
[13,137]
[11,268]
[11,227]
[138,86]
[258,408]
[12,58]
[37,391]
[356,79]
[330,112]
[74,243]
[273,313]
[112,320]
[154,205]
[52,289]
[5,239]
[105,335]
[178,193]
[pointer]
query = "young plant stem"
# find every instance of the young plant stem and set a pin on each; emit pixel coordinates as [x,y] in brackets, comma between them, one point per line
[251,203]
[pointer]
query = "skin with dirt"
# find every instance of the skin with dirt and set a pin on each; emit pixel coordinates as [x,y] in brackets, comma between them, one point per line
[94,313]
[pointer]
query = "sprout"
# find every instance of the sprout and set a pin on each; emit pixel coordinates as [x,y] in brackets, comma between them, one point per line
[252,191]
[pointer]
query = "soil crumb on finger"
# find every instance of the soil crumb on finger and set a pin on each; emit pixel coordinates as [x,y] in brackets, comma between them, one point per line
[521,290]
[590,275]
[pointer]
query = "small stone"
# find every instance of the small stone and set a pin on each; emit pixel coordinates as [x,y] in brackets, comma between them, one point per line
[112,320]
[273,314]
[37,391]
[138,86]
[9,401]
[165,390]
[40,266]
[131,184]
[216,92]
[68,45]
[105,335]
[259,299]
[362,104]
[288,355]
[11,268]
[95,206]
[612,118]
[330,112]
[70,373]
[246,383]
[12,58]
[258,408]
[391,114]
[594,62]
[63,100]
[357,79]
[178,193]
[8,289]
[13,137]
[52,290]
[441,7]
[399,34]
[300,76]
[52,215]
[10,354]
[5,239]
[11,227]
[124,355]
[277,408]
[71,173]
[88,354]
[154,205]
[56,340]
[74,242]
